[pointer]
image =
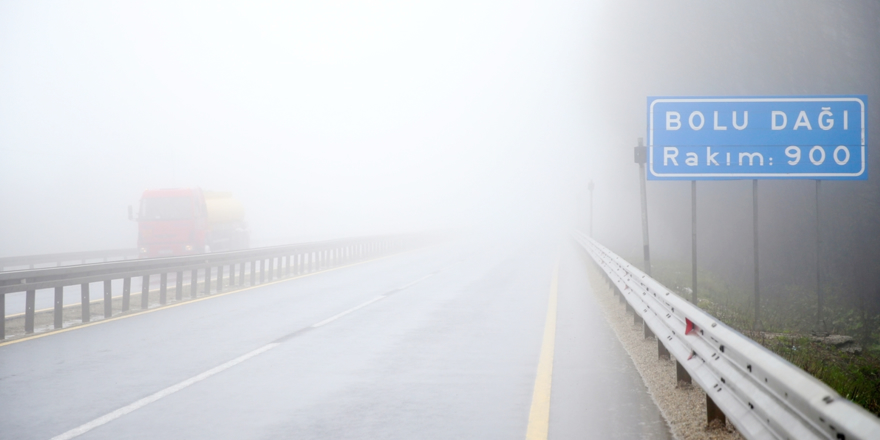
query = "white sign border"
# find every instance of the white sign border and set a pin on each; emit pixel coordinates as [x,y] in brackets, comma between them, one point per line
[752,175]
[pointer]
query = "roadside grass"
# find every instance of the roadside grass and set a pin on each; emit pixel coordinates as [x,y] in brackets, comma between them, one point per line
[788,320]
[856,377]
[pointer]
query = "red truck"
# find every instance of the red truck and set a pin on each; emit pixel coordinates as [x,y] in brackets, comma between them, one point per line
[189,221]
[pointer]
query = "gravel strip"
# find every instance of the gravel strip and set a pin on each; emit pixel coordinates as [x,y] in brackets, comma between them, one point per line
[683,406]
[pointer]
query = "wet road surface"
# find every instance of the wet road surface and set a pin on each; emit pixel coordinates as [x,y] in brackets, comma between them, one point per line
[442,342]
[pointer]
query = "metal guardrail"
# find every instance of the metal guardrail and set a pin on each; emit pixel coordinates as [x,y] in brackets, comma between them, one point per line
[66,257]
[762,394]
[261,265]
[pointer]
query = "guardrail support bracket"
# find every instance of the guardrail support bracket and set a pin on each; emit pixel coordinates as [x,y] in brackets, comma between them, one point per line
[713,412]
[648,332]
[30,300]
[662,352]
[681,375]
[59,307]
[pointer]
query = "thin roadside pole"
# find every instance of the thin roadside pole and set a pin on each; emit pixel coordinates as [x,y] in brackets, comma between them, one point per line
[590,187]
[758,325]
[694,241]
[641,157]
[820,299]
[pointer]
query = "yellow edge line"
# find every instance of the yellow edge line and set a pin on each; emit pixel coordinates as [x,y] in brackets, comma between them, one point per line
[182,303]
[539,414]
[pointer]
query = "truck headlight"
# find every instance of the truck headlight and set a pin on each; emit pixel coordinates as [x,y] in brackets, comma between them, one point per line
[143,250]
[188,247]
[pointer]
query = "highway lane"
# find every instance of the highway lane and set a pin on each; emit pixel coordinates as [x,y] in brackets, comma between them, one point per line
[452,354]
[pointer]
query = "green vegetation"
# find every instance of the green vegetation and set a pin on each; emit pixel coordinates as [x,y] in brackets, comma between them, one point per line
[856,377]
[788,323]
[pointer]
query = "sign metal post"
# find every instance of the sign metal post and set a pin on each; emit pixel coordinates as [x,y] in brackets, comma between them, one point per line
[756,137]
[641,158]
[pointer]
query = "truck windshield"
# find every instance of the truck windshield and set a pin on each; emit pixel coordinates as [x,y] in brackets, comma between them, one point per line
[166,208]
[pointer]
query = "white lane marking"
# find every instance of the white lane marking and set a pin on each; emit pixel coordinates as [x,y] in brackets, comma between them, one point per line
[340,315]
[106,418]
[412,283]
[378,298]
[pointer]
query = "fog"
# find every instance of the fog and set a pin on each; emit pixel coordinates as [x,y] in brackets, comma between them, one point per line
[325,119]
[331,119]
[746,48]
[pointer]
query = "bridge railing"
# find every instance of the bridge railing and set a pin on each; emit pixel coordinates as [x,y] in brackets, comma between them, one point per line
[762,394]
[66,258]
[207,272]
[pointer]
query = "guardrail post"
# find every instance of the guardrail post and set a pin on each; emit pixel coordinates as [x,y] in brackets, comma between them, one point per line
[648,332]
[3,315]
[262,268]
[29,311]
[637,319]
[126,294]
[220,270]
[681,375]
[232,275]
[241,273]
[145,292]
[178,288]
[209,272]
[271,272]
[108,299]
[253,272]
[713,412]
[662,352]
[84,298]
[194,283]
[163,289]
[59,306]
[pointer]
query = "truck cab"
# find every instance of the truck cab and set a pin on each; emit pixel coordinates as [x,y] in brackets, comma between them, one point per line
[189,221]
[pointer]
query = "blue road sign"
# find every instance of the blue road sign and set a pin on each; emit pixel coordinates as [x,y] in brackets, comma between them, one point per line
[758,137]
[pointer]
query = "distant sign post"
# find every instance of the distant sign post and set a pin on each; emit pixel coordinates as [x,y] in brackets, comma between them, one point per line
[757,137]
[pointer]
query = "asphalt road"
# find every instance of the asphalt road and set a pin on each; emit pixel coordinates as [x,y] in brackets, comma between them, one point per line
[442,343]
